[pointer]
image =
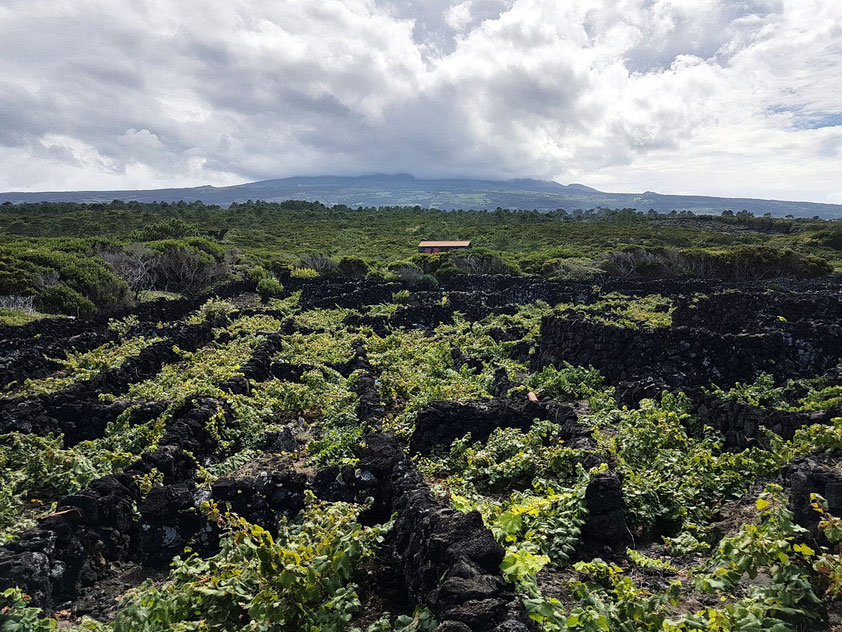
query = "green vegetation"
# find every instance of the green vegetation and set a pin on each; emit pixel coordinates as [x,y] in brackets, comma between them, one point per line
[712,544]
[36,471]
[297,581]
[77,258]
[794,396]
[83,366]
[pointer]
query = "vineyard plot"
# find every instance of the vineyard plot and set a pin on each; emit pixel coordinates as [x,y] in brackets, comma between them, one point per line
[507,456]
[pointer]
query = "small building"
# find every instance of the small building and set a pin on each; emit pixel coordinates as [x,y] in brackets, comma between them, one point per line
[430,247]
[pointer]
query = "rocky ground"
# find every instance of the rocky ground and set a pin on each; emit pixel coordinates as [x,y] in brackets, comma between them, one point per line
[502,454]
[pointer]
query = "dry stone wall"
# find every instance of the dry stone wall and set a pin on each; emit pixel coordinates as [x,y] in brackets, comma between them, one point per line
[683,356]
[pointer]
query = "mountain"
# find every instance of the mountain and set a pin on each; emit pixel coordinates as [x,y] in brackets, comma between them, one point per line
[405,190]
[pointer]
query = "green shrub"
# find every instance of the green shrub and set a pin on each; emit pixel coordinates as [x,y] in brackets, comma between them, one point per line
[272,261]
[403,266]
[428,282]
[828,239]
[207,246]
[353,267]
[764,262]
[376,275]
[568,383]
[404,271]
[86,274]
[214,308]
[482,262]
[429,263]
[303,273]
[536,262]
[300,580]
[14,279]
[322,264]
[61,299]
[448,271]
[188,265]
[173,228]
[18,616]
[741,263]
[573,269]
[257,274]
[268,288]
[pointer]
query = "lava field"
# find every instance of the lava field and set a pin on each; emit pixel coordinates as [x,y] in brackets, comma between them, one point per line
[499,455]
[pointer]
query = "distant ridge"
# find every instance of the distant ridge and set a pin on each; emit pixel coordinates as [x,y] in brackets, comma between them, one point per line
[406,190]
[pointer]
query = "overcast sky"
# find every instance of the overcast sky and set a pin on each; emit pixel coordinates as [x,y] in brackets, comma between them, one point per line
[718,97]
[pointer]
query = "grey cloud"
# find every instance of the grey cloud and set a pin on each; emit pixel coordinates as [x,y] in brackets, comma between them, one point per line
[494,88]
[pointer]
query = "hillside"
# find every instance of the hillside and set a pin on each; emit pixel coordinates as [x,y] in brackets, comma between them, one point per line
[405,190]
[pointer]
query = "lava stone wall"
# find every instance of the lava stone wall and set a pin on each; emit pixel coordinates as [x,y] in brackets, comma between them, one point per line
[738,311]
[443,558]
[688,355]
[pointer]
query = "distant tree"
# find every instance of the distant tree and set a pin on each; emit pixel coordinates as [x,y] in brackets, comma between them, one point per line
[173,228]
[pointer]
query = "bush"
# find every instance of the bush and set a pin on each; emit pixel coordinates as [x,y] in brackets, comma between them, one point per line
[174,228]
[303,273]
[376,275]
[88,275]
[574,269]
[61,299]
[214,308]
[257,274]
[829,239]
[537,262]
[482,262]
[429,263]
[428,282]
[322,264]
[568,383]
[272,261]
[353,267]
[735,264]
[448,271]
[14,279]
[764,262]
[187,266]
[404,271]
[268,288]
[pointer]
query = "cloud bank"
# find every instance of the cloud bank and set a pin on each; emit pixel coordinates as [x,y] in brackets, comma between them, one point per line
[720,97]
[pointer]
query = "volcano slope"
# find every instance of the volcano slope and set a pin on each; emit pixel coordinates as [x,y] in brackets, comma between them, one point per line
[504,454]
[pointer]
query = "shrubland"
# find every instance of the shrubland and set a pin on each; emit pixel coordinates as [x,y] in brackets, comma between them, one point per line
[75,259]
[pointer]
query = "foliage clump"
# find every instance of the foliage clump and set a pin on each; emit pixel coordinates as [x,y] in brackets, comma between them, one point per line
[299,580]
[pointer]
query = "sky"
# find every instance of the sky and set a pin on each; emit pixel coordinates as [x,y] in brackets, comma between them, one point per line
[711,97]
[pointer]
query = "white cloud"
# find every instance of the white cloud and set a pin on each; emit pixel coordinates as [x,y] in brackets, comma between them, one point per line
[703,96]
[459,15]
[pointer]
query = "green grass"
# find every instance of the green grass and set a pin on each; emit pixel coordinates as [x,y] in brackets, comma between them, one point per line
[16,317]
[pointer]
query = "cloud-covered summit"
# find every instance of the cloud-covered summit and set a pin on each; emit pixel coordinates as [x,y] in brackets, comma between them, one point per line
[708,96]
